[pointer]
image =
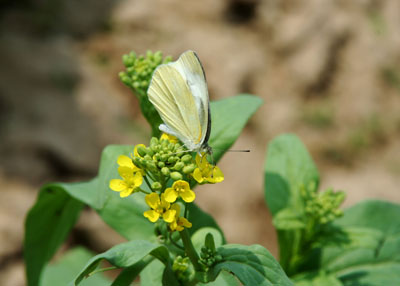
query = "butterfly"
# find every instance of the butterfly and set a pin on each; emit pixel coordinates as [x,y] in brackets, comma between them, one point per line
[178,90]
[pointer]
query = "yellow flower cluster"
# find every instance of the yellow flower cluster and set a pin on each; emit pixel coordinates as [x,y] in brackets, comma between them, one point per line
[164,162]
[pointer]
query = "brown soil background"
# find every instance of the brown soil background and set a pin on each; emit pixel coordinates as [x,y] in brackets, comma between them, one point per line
[328,71]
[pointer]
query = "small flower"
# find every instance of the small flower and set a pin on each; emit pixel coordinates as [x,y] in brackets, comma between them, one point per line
[169,137]
[179,189]
[132,177]
[159,207]
[179,223]
[205,172]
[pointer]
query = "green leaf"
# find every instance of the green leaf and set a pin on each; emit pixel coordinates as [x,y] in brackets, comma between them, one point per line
[60,272]
[252,265]
[229,116]
[319,279]
[198,238]
[288,219]
[126,255]
[288,166]
[365,248]
[224,279]
[152,275]
[47,225]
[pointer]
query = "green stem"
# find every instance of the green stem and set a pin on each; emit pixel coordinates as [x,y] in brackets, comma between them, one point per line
[148,183]
[189,249]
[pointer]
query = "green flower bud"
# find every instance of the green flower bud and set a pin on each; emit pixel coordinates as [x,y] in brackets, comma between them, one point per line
[151,166]
[189,169]
[176,176]
[153,141]
[160,164]
[164,157]
[172,160]
[165,171]
[186,158]
[141,150]
[178,166]
[156,186]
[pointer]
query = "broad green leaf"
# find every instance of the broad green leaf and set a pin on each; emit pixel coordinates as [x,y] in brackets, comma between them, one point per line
[47,225]
[365,249]
[228,117]
[252,265]
[288,167]
[152,275]
[224,279]
[126,255]
[287,219]
[68,266]
[318,279]
[199,236]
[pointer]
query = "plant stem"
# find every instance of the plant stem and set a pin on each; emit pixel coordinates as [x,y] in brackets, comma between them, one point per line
[189,249]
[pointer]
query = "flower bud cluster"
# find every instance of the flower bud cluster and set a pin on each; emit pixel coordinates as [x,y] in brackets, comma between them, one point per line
[209,256]
[181,268]
[323,206]
[139,70]
[164,159]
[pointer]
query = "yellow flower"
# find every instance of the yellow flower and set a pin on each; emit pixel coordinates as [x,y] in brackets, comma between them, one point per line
[179,189]
[159,207]
[168,137]
[179,223]
[205,172]
[132,177]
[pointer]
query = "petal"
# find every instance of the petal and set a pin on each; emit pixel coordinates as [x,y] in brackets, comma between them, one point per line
[170,195]
[137,179]
[173,225]
[218,175]
[125,161]
[177,208]
[151,215]
[184,222]
[125,172]
[169,216]
[188,196]
[181,184]
[198,176]
[126,192]
[152,200]
[117,185]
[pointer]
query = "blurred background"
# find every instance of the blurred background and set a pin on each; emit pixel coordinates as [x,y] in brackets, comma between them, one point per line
[328,71]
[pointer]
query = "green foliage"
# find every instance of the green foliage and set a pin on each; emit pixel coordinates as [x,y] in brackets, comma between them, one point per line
[68,266]
[252,265]
[319,246]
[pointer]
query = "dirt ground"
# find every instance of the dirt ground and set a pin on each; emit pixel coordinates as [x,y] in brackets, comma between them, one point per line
[328,71]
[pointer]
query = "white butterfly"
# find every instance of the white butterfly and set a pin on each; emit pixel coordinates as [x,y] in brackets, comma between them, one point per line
[178,90]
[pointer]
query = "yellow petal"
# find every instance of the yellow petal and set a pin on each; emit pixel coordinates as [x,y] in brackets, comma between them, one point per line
[169,137]
[169,216]
[137,179]
[117,185]
[218,175]
[126,192]
[125,172]
[181,184]
[177,208]
[152,200]
[125,161]
[184,222]
[173,225]
[198,176]
[188,196]
[170,195]
[151,215]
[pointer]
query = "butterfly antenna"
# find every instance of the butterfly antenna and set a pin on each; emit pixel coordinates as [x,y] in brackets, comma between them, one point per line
[234,150]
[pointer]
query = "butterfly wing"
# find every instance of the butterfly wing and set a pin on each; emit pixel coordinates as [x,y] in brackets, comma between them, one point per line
[178,91]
